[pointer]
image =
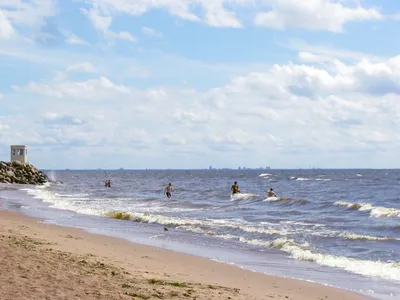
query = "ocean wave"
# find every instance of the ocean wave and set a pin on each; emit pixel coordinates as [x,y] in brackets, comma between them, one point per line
[153,219]
[291,200]
[374,211]
[242,196]
[189,204]
[264,174]
[189,223]
[303,179]
[216,225]
[354,236]
[198,230]
[363,267]
[78,195]
[296,250]
[97,206]
[304,252]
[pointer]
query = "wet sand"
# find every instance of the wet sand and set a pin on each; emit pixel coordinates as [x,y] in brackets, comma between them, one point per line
[40,261]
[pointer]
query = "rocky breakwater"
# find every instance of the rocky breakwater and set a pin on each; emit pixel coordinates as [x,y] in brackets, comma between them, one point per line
[20,173]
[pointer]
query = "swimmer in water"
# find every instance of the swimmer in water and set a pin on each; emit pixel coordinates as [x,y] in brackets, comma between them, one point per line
[235,188]
[271,193]
[168,190]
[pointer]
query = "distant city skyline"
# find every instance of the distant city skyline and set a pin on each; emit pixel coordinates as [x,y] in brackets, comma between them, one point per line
[188,84]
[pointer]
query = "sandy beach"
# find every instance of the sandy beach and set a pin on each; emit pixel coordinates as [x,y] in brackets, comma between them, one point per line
[41,261]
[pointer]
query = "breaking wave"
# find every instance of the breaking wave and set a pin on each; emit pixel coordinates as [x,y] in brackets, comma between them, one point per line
[290,200]
[242,196]
[265,174]
[304,252]
[354,236]
[374,211]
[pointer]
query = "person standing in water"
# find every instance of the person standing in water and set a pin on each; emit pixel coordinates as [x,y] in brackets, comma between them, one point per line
[271,193]
[235,188]
[168,190]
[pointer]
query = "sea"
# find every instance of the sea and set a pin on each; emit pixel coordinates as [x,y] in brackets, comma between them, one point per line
[338,228]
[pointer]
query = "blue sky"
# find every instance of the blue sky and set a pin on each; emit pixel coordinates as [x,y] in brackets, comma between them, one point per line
[187,84]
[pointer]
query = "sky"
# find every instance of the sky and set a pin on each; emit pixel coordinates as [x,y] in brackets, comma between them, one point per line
[193,83]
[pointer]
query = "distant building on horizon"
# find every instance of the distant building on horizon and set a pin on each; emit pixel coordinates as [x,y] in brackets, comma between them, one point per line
[19,153]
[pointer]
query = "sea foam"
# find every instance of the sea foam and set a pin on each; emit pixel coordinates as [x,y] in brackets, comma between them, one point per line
[374,211]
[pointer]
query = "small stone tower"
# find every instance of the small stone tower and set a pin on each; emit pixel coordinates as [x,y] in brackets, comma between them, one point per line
[19,153]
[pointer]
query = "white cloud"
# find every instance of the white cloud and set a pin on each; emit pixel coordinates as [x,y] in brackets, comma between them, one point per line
[6,29]
[330,15]
[102,23]
[122,35]
[173,140]
[30,13]
[82,67]
[92,89]
[215,13]
[53,118]
[261,112]
[313,58]
[74,40]
[194,116]
[151,32]
[137,71]
[324,51]
[217,16]
[288,112]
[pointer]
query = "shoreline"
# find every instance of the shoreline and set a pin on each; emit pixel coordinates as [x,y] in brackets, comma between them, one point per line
[172,274]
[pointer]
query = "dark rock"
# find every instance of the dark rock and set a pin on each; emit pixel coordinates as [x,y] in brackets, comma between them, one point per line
[18,164]
[20,173]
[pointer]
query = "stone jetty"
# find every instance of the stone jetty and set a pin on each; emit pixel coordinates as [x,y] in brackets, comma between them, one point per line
[20,173]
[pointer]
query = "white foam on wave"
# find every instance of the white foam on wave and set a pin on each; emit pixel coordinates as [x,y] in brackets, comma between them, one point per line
[323,179]
[242,196]
[199,226]
[374,211]
[273,199]
[304,252]
[59,202]
[97,206]
[354,236]
[197,230]
[265,174]
[78,195]
[303,179]
[383,270]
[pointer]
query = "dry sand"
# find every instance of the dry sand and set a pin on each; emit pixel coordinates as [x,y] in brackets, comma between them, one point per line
[40,261]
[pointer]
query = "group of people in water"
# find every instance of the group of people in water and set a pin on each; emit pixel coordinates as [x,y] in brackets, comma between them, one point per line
[168,189]
[236,190]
